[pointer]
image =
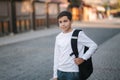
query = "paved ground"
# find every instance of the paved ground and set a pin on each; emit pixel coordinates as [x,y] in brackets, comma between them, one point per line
[29,56]
[105,23]
[28,35]
[107,61]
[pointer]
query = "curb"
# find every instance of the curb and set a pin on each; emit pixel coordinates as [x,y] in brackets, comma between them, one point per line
[27,36]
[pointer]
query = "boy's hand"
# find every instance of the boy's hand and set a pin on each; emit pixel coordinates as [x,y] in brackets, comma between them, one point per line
[78,61]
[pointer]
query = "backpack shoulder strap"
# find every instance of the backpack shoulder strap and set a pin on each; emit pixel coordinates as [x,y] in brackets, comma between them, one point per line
[74,42]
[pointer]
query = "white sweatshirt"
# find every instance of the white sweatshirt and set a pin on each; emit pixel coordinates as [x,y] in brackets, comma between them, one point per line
[62,59]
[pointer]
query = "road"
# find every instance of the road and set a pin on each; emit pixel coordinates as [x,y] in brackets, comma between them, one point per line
[33,59]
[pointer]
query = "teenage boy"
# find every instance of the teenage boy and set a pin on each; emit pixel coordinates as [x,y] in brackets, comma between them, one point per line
[66,66]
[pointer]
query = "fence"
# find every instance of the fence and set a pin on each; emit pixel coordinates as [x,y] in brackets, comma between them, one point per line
[4,18]
[21,16]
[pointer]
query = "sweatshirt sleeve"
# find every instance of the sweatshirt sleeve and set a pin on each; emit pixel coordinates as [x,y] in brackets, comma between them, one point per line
[86,41]
[56,55]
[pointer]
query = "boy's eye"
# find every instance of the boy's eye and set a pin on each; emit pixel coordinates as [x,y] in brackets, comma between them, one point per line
[60,21]
[65,20]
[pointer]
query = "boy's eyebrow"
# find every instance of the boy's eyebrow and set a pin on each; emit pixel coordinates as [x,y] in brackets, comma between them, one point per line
[63,20]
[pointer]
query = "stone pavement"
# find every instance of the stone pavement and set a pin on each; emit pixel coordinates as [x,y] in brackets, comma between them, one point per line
[27,36]
[106,60]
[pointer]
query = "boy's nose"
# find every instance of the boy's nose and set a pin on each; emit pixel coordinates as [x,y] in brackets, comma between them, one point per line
[63,24]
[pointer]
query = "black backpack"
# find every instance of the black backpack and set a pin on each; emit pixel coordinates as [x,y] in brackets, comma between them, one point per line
[86,68]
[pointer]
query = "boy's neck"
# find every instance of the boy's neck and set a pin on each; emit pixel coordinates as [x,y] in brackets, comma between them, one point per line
[68,31]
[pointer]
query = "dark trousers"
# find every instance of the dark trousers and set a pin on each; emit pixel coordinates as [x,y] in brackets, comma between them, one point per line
[68,75]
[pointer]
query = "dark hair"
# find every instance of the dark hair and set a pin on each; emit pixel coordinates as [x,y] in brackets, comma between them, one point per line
[65,13]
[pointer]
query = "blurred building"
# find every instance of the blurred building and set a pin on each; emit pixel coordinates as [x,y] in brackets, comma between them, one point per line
[92,11]
[88,10]
[18,16]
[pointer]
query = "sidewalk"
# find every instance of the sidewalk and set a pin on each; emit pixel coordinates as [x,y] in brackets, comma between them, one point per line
[105,23]
[27,35]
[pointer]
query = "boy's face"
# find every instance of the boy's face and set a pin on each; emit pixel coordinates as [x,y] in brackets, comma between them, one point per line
[64,24]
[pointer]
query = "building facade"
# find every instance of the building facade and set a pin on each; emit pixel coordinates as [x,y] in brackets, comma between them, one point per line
[18,16]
